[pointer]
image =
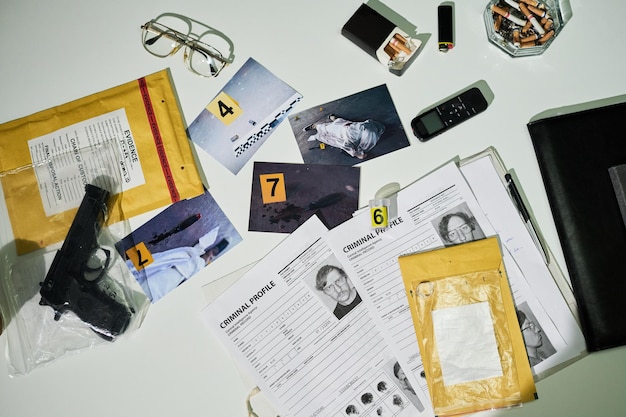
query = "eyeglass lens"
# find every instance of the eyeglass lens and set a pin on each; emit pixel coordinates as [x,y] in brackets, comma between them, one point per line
[334,286]
[453,234]
[199,60]
[160,40]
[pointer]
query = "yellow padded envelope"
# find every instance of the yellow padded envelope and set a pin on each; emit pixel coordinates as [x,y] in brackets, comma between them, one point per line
[467,330]
[142,116]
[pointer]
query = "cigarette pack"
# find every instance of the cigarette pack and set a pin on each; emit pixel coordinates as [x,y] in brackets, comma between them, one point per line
[382,39]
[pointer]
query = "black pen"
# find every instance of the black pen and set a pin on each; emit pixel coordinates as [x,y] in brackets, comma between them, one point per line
[523,211]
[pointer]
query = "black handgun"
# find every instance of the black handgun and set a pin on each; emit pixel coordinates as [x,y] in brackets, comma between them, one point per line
[72,281]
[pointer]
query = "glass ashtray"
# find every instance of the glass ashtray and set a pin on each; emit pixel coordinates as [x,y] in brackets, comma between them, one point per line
[525,27]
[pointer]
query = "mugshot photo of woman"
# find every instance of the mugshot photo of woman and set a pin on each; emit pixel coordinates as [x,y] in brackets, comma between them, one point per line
[458,226]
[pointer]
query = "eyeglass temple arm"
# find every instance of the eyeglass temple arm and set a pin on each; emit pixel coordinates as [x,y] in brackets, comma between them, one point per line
[153,40]
[159,35]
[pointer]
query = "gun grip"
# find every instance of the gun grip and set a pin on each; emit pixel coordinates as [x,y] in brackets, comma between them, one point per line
[103,314]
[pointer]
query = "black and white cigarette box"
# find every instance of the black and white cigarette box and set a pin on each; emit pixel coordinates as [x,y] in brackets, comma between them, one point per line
[382,39]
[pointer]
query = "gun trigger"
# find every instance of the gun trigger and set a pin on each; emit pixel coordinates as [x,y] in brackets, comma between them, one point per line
[57,315]
[97,265]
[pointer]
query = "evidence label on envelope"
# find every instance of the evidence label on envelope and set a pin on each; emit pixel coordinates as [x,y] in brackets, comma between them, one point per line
[225,108]
[140,256]
[273,188]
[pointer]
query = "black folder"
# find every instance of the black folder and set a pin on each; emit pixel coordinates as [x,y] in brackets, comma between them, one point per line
[577,153]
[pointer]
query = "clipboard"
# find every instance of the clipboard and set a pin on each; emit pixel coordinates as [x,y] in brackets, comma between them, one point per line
[559,278]
[542,273]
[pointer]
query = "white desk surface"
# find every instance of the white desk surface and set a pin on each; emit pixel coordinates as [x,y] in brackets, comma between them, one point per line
[57,51]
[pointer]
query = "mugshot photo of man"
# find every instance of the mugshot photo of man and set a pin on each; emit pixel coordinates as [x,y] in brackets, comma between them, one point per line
[458,226]
[538,347]
[335,283]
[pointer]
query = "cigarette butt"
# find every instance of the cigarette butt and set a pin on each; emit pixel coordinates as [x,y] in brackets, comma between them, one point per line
[499,10]
[512,3]
[532,19]
[526,27]
[497,22]
[547,24]
[545,37]
[505,13]
[399,45]
[516,37]
[524,9]
[533,3]
[539,12]
[528,44]
[530,38]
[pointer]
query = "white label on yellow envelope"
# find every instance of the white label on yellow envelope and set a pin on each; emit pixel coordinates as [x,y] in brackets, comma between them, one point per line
[466,343]
[85,152]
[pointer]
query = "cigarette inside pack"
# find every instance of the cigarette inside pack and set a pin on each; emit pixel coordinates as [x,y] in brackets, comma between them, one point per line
[381,38]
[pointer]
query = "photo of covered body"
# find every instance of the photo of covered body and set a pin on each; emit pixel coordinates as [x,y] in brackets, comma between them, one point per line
[349,130]
[177,244]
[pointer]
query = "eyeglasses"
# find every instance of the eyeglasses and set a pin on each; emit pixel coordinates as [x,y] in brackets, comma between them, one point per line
[465,229]
[335,286]
[529,325]
[200,58]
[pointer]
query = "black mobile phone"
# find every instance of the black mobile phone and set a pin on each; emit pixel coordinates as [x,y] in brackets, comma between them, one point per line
[440,118]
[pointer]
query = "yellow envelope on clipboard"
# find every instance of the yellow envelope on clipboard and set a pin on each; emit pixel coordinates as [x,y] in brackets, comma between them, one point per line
[43,183]
[467,330]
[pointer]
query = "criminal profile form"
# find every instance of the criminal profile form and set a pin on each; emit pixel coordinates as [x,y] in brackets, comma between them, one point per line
[310,360]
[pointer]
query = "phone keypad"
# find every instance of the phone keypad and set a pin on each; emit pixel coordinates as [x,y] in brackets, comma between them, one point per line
[455,111]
